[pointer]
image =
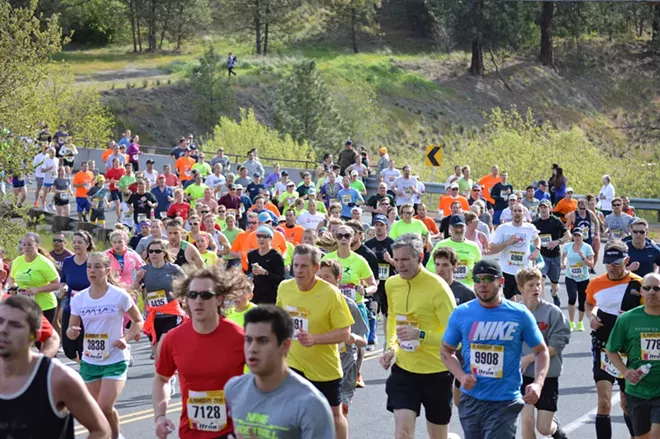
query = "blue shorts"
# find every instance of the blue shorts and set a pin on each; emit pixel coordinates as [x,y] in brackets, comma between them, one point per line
[115,195]
[48,185]
[496,217]
[552,268]
[82,204]
[17,183]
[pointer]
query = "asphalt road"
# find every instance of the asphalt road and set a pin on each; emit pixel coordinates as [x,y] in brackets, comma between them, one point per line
[368,417]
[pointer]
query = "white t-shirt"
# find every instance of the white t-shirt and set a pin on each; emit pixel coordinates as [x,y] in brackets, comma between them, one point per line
[103,320]
[126,215]
[389,176]
[417,198]
[151,176]
[280,187]
[516,256]
[451,179]
[37,163]
[309,221]
[608,192]
[213,181]
[50,176]
[404,185]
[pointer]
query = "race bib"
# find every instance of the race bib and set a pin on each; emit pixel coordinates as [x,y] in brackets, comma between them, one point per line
[348,290]
[300,320]
[95,203]
[461,270]
[97,346]
[407,190]
[157,298]
[334,200]
[342,348]
[391,178]
[516,259]
[617,234]
[345,199]
[126,216]
[188,172]
[607,366]
[383,271]
[545,239]
[136,157]
[404,320]
[231,212]
[650,345]
[207,410]
[486,360]
[577,269]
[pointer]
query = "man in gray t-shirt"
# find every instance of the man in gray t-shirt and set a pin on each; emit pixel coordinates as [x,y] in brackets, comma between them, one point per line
[289,409]
[618,223]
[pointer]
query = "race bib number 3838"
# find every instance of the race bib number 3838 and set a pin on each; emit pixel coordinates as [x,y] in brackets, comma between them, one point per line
[207,410]
[97,346]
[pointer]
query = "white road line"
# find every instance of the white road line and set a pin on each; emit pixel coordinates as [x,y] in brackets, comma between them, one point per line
[587,417]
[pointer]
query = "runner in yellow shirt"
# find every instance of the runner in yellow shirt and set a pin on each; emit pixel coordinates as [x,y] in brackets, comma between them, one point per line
[322,320]
[420,303]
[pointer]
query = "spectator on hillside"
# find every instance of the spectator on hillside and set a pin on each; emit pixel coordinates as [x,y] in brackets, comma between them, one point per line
[222,159]
[557,184]
[231,63]
[383,162]
[253,165]
[347,157]
[606,195]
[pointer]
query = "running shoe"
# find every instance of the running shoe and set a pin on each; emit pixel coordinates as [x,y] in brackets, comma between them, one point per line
[36,205]
[592,271]
[580,327]
[370,347]
[572,325]
[556,300]
[359,383]
[559,433]
[130,356]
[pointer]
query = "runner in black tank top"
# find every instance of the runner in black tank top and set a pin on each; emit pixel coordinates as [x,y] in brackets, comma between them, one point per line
[585,223]
[180,259]
[29,413]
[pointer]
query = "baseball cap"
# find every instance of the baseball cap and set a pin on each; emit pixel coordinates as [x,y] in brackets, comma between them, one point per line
[290,184]
[545,203]
[265,229]
[284,173]
[613,255]
[100,178]
[457,220]
[542,183]
[281,219]
[569,189]
[161,176]
[476,186]
[486,266]
[354,172]
[238,187]
[231,186]
[513,197]
[265,217]
[150,161]
[577,231]
[256,174]
[453,185]
[383,150]
[380,218]
[221,149]
[311,191]
[348,142]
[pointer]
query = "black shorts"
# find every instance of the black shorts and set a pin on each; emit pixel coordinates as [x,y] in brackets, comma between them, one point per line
[97,215]
[115,195]
[408,390]
[549,393]
[381,298]
[510,286]
[163,324]
[59,201]
[600,374]
[330,389]
[643,413]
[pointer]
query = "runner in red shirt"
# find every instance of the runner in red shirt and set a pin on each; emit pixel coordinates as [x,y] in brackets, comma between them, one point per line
[206,351]
[113,175]
[179,207]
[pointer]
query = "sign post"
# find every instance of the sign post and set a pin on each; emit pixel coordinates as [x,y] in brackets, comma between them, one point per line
[433,159]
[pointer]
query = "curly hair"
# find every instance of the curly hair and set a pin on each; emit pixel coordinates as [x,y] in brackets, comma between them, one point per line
[226,283]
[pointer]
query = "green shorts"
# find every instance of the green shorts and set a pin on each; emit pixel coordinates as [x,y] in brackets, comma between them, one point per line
[93,372]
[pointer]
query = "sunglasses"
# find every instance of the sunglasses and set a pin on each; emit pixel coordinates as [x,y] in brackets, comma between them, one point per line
[485,279]
[204,212]
[454,189]
[655,288]
[340,236]
[205,295]
[252,223]
[407,212]
[476,190]
[156,251]
[263,236]
[639,232]
[617,205]
[222,210]
[58,240]
[618,263]
[194,224]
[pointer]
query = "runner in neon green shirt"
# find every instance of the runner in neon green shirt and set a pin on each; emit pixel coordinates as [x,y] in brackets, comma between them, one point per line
[467,251]
[408,224]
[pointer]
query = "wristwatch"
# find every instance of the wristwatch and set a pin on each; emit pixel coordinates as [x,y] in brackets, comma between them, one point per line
[422,335]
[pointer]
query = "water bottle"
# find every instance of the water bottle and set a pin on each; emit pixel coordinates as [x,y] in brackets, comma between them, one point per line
[644,370]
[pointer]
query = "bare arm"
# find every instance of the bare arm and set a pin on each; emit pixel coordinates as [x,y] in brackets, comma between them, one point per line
[542,362]
[138,322]
[341,335]
[449,358]
[193,256]
[69,391]
[51,345]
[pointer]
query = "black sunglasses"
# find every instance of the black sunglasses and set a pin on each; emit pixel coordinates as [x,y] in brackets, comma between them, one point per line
[156,250]
[205,295]
[340,236]
[655,288]
[639,232]
[204,212]
[616,205]
[263,236]
[58,240]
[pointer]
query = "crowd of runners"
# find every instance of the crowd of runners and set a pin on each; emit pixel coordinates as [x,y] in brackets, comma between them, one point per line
[261,295]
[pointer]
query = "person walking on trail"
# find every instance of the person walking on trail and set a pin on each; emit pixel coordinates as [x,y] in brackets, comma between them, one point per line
[231,63]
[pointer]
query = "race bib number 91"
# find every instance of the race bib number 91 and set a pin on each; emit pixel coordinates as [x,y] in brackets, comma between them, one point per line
[207,411]
[300,320]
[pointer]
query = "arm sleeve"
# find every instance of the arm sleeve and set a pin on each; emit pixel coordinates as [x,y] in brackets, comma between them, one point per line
[560,333]
[276,269]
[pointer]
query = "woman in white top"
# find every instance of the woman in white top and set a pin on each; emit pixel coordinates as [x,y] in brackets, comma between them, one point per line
[606,195]
[475,235]
[101,309]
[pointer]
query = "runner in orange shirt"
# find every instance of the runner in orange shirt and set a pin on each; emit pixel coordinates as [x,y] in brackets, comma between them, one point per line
[108,152]
[82,181]
[237,246]
[183,167]
[422,215]
[292,231]
[488,181]
[566,205]
[444,206]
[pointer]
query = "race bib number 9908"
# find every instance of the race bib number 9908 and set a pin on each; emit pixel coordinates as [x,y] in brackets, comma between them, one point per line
[486,360]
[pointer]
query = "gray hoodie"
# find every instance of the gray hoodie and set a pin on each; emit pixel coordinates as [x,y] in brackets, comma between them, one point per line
[556,332]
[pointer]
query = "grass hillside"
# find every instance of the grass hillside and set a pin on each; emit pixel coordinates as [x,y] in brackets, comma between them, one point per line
[402,100]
